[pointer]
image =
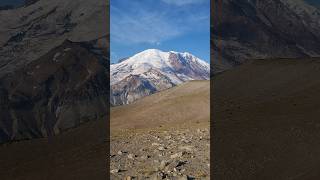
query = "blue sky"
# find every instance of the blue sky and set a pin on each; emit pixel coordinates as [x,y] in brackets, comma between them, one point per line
[178,25]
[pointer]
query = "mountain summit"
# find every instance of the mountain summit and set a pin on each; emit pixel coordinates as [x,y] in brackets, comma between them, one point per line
[153,70]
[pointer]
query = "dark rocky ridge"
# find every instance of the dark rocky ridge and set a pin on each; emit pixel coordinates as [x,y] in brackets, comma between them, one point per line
[253,29]
[61,90]
[29,2]
[135,87]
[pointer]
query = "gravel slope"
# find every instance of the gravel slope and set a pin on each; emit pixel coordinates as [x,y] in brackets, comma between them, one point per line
[165,135]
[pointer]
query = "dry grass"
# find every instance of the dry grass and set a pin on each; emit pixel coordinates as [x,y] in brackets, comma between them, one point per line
[182,106]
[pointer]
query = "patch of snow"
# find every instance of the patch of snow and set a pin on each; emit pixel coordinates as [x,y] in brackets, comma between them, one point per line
[158,60]
[56,56]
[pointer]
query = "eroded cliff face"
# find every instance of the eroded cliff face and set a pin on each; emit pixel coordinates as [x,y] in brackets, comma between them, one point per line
[62,89]
[263,29]
[135,87]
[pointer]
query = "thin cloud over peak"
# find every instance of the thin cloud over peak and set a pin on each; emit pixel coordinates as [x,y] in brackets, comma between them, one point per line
[140,24]
[144,23]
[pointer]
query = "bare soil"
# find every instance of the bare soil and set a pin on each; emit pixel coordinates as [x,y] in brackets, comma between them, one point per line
[78,154]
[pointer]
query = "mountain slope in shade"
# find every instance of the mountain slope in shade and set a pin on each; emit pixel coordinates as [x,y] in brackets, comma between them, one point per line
[53,67]
[151,71]
[266,124]
[263,29]
[32,31]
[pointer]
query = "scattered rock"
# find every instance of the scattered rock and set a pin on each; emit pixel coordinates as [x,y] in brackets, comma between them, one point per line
[120,152]
[184,177]
[168,158]
[186,148]
[113,171]
[163,164]
[131,156]
[177,155]
[145,157]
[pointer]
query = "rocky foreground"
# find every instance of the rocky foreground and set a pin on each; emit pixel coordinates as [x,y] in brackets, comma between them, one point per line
[161,154]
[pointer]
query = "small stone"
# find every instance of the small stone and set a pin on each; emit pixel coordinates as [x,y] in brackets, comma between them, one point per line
[120,152]
[145,157]
[184,177]
[163,164]
[161,174]
[185,141]
[155,144]
[177,155]
[131,156]
[161,148]
[186,148]
[113,171]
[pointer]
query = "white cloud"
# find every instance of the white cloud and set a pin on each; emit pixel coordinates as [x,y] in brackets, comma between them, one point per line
[139,24]
[143,27]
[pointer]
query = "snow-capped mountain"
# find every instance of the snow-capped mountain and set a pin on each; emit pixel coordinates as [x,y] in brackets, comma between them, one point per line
[153,70]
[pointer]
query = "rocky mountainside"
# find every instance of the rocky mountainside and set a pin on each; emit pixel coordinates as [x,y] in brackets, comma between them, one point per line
[151,71]
[263,29]
[53,67]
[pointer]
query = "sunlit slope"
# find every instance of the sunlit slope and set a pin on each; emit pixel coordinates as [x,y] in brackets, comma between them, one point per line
[182,105]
